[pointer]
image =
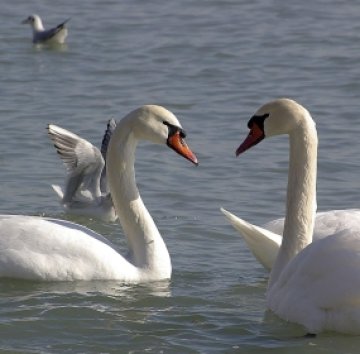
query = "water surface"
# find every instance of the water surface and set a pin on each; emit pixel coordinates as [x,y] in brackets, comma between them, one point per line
[213,63]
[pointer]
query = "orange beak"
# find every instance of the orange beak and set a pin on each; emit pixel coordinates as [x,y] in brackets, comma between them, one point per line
[255,136]
[177,143]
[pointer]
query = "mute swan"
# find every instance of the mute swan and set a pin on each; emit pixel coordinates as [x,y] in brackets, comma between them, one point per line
[56,35]
[315,284]
[86,189]
[48,249]
[264,242]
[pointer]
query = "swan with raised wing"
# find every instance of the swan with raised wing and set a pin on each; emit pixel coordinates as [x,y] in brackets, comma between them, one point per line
[315,284]
[86,190]
[48,249]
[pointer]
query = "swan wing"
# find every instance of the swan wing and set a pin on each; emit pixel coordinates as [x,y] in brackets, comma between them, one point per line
[320,288]
[263,243]
[326,223]
[333,221]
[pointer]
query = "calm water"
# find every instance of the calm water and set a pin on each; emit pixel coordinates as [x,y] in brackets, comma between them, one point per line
[213,63]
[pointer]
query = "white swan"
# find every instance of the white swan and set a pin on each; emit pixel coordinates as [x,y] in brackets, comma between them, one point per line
[264,242]
[48,249]
[86,189]
[314,284]
[56,35]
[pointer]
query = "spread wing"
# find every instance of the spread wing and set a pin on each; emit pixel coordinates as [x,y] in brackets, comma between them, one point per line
[82,160]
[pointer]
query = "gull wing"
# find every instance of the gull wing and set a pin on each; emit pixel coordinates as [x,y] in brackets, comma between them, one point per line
[83,161]
[111,125]
[43,36]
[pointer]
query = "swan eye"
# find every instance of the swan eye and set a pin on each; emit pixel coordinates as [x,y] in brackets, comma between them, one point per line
[258,120]
[173,129]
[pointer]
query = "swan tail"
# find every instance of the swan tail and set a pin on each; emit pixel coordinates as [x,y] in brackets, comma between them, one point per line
[58,190]
[263,243]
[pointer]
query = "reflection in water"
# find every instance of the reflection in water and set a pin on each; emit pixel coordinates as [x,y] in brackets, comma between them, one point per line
[56,47]
[12,287]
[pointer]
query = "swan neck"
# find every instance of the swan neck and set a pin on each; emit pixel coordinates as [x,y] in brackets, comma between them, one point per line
[301,195]
[147,249]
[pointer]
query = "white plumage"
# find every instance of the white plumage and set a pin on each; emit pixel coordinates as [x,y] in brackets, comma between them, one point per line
[86,190]
[315,284]
[48,249]
[320,287]
[264,242]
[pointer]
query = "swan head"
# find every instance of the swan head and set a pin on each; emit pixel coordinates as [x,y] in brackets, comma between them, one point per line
[34,21]
[158,125]
[277,117]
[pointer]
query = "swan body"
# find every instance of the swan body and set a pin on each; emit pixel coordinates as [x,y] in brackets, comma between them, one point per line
[264,242]
[56,35]
[315,284]
[86,189]
[320,287]
[36,248]
[48,249]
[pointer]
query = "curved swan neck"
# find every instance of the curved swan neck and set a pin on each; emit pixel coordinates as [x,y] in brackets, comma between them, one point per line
[147,248]
[301,194]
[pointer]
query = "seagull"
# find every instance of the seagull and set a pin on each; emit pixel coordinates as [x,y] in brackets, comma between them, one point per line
[86,189]
[54,35]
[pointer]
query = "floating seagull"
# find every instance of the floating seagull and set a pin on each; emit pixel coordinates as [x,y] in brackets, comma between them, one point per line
[86,190]
[54,35]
